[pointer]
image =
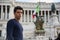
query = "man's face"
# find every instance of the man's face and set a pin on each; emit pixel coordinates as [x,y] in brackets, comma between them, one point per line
[18,14]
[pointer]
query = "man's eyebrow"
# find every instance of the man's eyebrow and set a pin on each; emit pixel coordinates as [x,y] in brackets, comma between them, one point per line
[20,12]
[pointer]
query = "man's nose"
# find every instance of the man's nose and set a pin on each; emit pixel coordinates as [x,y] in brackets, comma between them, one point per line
[19,13]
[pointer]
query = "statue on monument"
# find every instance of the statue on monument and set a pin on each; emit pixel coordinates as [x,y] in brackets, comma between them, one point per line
[39,23]
[55,22]
[53,8]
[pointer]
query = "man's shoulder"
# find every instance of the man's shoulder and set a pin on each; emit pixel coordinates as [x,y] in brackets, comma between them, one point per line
[11,20]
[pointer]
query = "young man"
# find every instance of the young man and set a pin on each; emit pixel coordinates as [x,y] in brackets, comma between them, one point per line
[14,28]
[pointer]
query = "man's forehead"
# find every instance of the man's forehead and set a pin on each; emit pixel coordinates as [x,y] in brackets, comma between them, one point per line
[19,10]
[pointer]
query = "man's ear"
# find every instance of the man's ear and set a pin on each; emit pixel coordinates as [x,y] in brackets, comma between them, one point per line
[14,13]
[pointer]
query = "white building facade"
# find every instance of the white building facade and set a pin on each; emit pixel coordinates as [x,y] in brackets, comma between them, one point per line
[6,13]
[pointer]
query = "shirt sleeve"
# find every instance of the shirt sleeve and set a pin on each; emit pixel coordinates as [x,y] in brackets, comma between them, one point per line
[10,30]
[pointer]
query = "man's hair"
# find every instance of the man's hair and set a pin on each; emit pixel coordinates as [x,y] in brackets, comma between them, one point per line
[17,7]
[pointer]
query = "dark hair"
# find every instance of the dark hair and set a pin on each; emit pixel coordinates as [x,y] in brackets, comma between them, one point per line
[17,7]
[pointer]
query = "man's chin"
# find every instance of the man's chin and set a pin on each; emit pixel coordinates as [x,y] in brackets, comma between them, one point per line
[18,18]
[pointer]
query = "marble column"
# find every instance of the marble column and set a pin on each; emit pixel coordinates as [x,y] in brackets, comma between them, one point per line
[48,16]
[31,15]
[59,15]
[5,12]
[24,16]
[21,18]
[2,12]
[27,15]
[41,13]
[55,13]
[45,17]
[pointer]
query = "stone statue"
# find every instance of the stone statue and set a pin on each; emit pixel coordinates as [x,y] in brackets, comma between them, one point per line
[39,23]
[53,8]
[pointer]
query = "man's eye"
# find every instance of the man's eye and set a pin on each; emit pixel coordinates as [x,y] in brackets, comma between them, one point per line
[18,12]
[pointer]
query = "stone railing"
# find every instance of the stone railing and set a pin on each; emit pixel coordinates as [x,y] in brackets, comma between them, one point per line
[37,38]
[2,38]
[41,38]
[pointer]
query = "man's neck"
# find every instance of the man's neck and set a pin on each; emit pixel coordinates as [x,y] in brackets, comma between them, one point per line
[16,19]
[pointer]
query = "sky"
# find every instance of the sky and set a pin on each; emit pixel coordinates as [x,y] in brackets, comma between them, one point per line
[48,1]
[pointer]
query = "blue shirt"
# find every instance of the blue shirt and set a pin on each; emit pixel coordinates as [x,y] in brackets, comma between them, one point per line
[14,30]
